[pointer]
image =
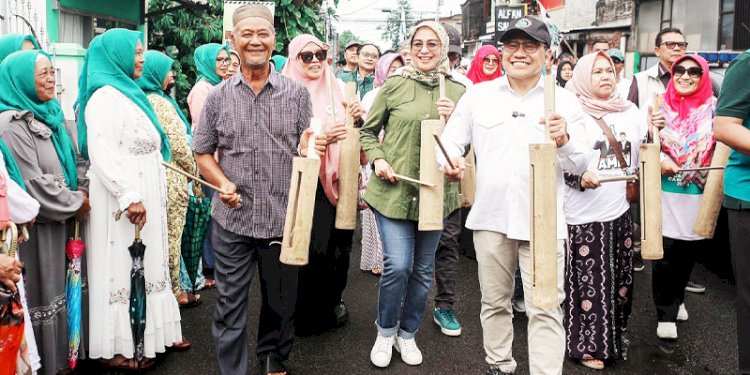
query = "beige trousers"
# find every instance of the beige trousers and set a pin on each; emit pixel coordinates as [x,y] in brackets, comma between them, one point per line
[497,258]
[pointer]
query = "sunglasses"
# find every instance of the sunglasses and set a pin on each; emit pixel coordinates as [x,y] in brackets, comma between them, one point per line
[694,72]
[307,57]
[488,60]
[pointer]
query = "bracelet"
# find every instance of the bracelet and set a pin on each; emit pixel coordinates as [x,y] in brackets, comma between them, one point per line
[580,183]
[299,149]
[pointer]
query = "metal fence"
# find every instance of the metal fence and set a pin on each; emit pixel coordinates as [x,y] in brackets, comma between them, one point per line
[22,17]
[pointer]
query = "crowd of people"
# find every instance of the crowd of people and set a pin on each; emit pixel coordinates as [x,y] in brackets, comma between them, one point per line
[249,116]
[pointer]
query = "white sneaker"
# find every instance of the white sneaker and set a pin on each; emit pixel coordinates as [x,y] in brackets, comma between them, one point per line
[410,353]
[666,330]
[381,352]
[682,314]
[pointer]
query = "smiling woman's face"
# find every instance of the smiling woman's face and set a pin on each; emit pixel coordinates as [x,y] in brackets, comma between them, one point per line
[425,49]
[686,84]
[313,69]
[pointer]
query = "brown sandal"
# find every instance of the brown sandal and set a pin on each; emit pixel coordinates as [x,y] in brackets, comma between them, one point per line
[119,363]
[191,301]
[209,284]
[180,346]
[146,363]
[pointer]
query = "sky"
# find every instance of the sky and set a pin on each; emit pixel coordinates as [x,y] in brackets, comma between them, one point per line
[363,17]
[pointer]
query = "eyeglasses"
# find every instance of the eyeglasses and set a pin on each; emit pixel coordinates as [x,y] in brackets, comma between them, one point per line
[528,47]
[432,45]
[672,45]
[694,72]
[307,57]
[222,60]
[488,60]
[369,55]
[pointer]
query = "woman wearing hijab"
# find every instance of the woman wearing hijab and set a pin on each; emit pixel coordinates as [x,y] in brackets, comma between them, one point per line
[10,43]
[322,281]
[126,176]
[32,125]
[485,66]
[687,141]
[157,80]
[211,62]
[372,248]
[599,269]
[234,64]
[564,72]
[409,254]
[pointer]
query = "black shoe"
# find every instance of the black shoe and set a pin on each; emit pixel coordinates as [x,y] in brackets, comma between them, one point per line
[495,370]
[638,262]
[342,314]
[694,287]
[271,364]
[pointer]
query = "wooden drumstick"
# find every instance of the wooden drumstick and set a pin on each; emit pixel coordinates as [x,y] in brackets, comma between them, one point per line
[194,178]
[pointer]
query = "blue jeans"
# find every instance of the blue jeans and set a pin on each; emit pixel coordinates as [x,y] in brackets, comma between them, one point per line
[408,260]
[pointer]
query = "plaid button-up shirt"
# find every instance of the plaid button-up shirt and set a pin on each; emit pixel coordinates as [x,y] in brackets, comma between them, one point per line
[256,137]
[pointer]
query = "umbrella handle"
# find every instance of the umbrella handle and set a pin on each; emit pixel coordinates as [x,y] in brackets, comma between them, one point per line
[11,251]
[76,230]
[137,232]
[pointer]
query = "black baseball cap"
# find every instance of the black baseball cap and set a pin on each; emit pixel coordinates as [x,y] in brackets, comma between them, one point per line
[528,26]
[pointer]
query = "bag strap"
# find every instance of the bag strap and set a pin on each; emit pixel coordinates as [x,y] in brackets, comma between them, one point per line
[612,141]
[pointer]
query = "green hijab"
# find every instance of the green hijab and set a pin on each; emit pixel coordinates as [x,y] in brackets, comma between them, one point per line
[12,42]
[279,62]
[110,61]
[155,70]
[205,61]
[19,93]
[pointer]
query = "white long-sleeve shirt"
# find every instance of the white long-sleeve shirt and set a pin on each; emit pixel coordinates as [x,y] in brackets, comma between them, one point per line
[501,125]
[23,208]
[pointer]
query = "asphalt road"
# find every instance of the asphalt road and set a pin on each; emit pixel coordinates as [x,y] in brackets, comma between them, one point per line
[707,342]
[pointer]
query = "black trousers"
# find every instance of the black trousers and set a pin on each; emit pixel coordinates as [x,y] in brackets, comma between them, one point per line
[323,280]
[739,238]
[670,276]
[236,258]
[446,261]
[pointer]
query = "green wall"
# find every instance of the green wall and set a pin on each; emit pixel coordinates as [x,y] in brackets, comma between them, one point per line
[127,10]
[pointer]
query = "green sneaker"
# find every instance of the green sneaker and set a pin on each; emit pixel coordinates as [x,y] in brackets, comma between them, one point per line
[446,319]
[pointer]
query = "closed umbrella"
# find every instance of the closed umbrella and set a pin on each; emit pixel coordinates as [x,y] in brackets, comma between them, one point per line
[74,251]
[196,225]
[137,294]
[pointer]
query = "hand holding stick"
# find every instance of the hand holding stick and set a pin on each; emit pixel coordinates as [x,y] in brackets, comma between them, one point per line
[194,178]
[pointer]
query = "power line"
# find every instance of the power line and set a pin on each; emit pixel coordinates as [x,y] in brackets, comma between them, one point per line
[360,9]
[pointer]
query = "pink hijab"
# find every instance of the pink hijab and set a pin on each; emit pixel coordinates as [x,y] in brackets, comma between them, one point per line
[321,107]
[591,103]
[476,71]
[684,104]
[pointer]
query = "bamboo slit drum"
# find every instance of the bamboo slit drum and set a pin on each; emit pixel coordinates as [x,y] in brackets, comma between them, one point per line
[543,208]
[346,207]
[469,182]
[650,184]
[431,197]
[295,245]
[713,193]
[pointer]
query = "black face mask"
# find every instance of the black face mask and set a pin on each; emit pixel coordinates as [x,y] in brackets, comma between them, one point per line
[169,88]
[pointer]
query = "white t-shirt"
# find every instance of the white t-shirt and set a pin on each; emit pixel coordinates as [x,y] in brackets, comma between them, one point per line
[607,202]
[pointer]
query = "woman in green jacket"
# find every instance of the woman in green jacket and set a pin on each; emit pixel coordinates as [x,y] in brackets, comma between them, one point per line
[408,254]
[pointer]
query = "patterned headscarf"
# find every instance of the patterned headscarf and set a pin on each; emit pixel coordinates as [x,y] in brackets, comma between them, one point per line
[441,67]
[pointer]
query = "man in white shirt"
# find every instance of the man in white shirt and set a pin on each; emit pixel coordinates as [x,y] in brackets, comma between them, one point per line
[501,118]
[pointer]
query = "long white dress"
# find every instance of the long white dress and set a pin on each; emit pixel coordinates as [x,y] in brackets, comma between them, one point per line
[124,149]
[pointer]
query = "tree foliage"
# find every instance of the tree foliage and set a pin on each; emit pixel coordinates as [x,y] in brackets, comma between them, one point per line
[179,32]
[393,29]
